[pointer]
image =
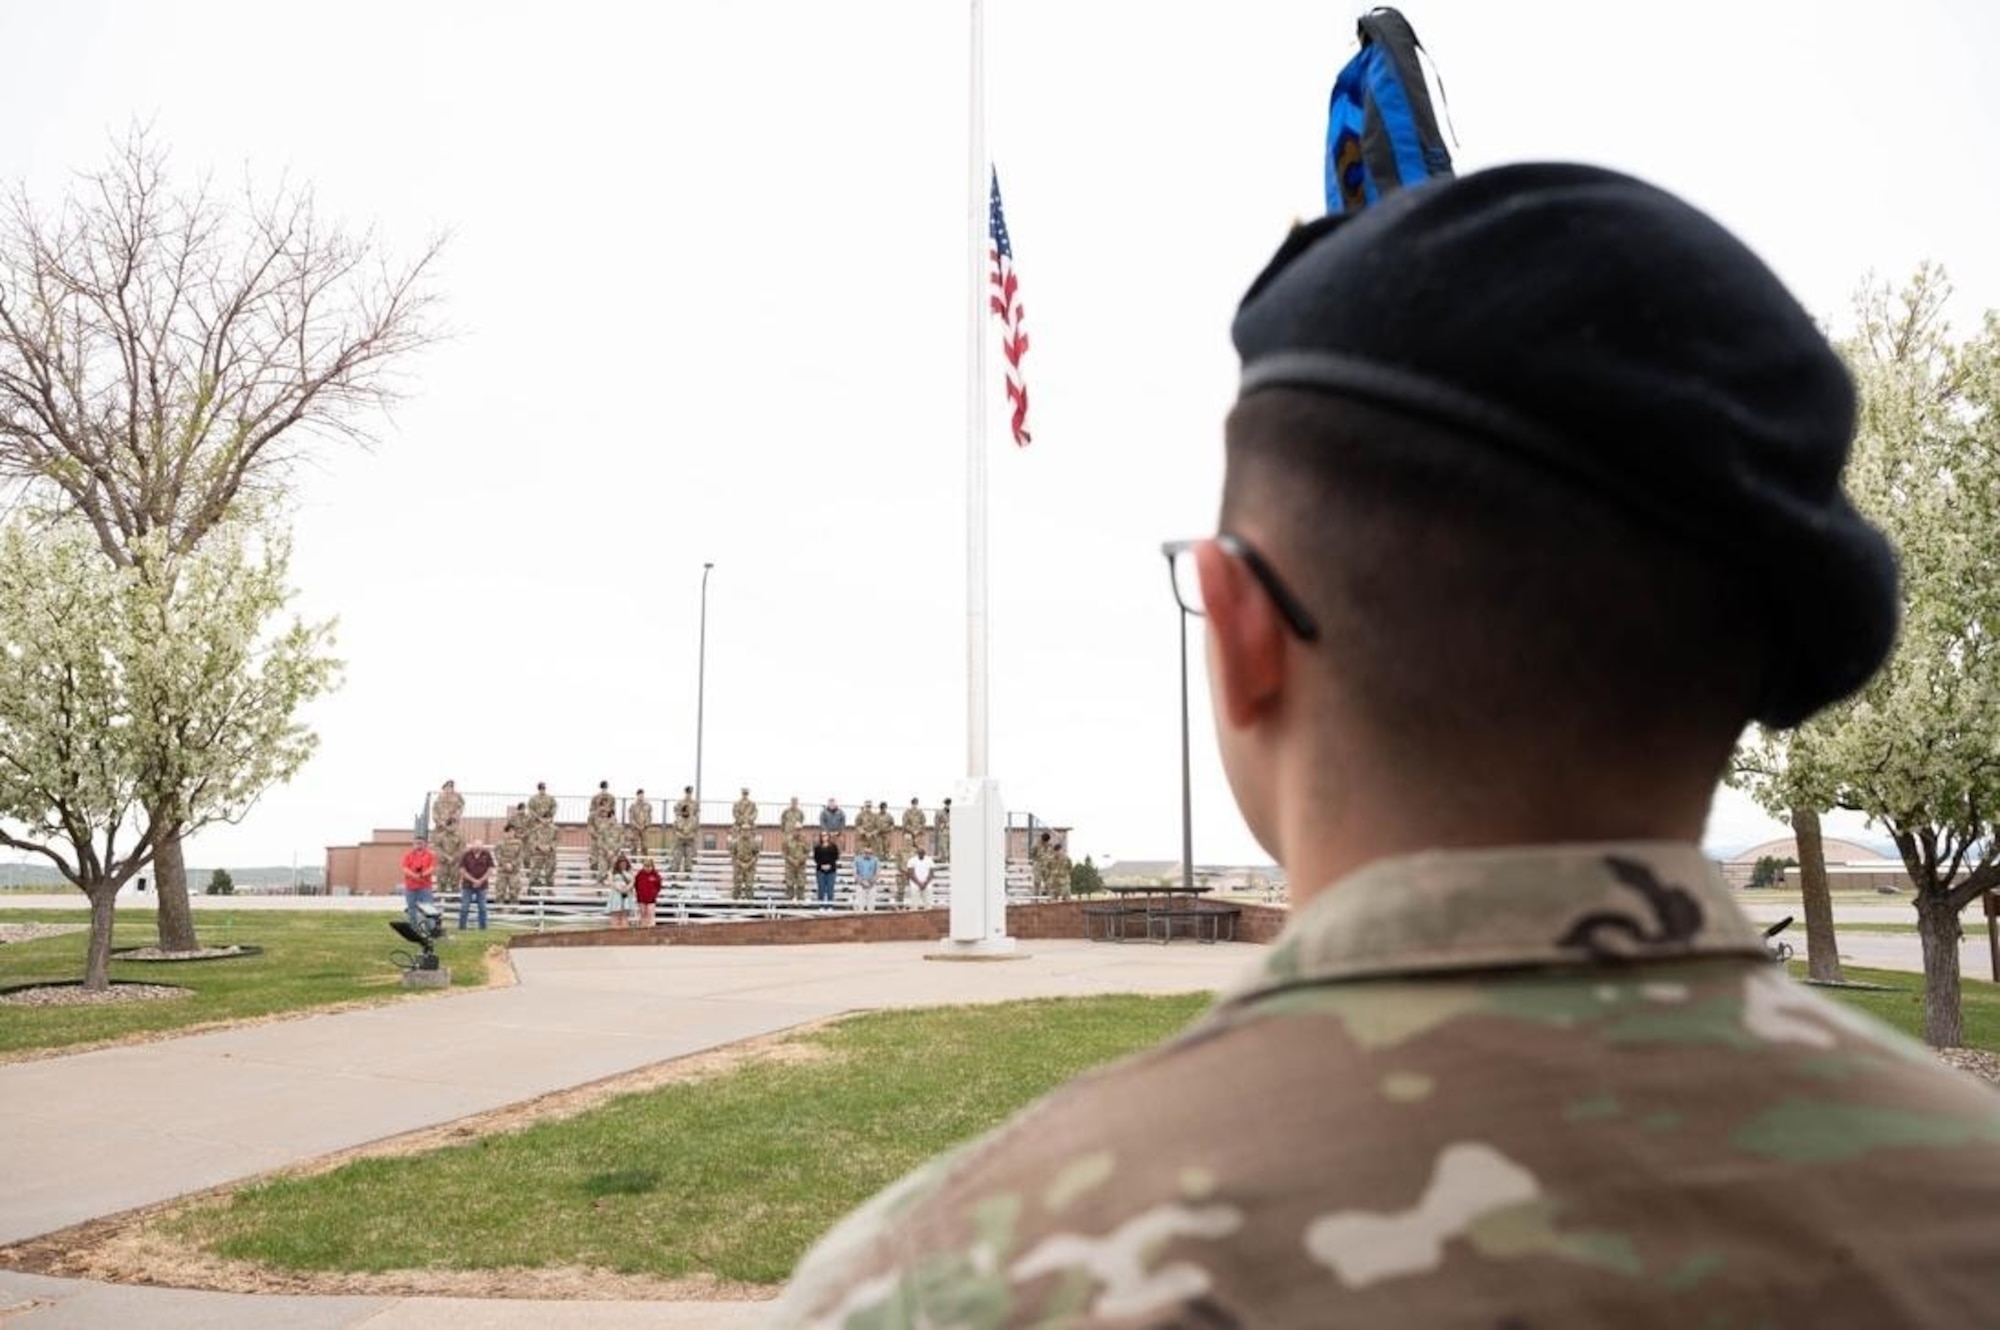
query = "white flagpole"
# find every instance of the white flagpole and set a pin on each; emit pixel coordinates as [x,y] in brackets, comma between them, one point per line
[978,842]
[978,215]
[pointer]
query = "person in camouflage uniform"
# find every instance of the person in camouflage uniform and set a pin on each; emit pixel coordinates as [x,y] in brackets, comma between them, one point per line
[864,829]
[540,854]
[540,839]
[744,811]
[507,857]
[1479,644]
[1039,857]
[638,822]
[943,833]
[793,818]
[447,807]
[687,828]
[882,827]
[1059,871]
[914,826]
[447,840]
[744,847]
[797,851]
[601,829]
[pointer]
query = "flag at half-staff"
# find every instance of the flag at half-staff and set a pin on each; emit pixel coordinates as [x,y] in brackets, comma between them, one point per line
[1006,306]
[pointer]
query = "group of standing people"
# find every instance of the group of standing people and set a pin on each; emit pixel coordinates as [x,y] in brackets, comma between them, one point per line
[470,865]
[922,844]
[913,844]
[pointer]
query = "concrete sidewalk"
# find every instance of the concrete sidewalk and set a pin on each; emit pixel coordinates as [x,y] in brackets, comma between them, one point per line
[74,1304]
[221,1107]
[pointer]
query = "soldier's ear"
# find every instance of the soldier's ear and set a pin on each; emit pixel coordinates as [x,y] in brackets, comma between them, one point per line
[1246,638]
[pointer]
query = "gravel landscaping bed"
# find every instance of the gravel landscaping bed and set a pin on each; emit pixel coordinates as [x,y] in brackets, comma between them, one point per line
[1973,1061]
[36,932]
[74,995]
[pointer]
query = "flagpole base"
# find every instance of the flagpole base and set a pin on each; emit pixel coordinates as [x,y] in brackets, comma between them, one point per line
[977,949]
[978,873]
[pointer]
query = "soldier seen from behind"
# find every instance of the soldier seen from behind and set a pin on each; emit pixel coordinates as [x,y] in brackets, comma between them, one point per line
[1532,503]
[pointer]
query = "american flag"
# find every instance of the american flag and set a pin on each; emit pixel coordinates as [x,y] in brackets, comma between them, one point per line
[1006,304]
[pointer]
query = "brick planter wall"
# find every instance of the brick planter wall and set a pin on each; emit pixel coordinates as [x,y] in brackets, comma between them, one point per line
[1047,919]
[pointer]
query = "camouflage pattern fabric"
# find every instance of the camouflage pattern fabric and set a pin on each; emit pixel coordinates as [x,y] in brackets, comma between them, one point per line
[687,824]
[638,821]
[943,836]
[743,851]
[447,808]
[507,858]
[602,834]
[542,806]
[1536,1088]
[541,851]
[1059,873]
[913,826]
[744,812]
[792,818]
[797,852]
[448,843]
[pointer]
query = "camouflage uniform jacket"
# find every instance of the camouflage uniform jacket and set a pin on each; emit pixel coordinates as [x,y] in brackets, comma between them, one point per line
[542,806]
[744,812]
[792,819]
[1533,1087]
[639,816]
[684,820]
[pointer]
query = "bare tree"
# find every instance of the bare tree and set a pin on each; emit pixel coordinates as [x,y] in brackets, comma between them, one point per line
[166,357]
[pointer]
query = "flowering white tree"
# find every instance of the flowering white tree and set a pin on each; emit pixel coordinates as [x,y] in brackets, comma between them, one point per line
[167,355]
[130,713]
[1918,749]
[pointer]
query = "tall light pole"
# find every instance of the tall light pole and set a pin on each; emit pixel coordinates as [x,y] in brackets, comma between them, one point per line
[701,689]
[1187,783]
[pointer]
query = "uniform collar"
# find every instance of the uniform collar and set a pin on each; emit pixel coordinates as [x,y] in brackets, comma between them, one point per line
[1515,908]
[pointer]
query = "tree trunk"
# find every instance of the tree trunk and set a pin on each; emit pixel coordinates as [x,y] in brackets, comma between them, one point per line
[176,918]
[1822,951]
[1938,927]
[97,960]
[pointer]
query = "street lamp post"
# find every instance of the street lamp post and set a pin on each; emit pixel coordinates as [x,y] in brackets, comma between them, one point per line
[701,688]
[1187,783]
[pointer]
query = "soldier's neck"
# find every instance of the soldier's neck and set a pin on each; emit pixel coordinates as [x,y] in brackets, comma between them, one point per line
[1327,832]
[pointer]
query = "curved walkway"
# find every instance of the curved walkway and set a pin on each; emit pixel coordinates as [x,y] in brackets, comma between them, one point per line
[94,1134]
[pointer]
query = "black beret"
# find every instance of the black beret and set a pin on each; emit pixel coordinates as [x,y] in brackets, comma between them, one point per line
[1610,334]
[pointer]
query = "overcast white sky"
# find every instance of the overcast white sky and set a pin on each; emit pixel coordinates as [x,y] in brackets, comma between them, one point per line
[707,284]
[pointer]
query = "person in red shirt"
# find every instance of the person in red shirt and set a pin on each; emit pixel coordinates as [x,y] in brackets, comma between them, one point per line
[647,887]
[419,880]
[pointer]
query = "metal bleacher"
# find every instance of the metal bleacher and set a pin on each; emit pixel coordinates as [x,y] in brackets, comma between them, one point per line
[576,900]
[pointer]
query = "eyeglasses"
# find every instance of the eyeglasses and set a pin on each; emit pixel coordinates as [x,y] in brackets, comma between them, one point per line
[1187,584]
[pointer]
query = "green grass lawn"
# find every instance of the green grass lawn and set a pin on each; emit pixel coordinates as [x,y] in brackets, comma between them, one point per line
[310,960]
[1904,1008]
[733,1176]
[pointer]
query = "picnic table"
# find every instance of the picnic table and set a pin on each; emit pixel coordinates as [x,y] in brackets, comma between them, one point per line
[1159,910]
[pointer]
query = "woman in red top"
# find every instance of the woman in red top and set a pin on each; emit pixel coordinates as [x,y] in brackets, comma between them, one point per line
[647,887]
